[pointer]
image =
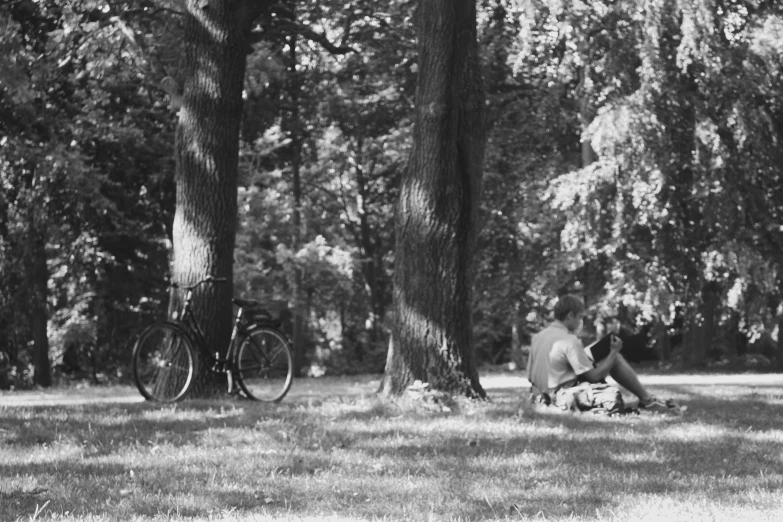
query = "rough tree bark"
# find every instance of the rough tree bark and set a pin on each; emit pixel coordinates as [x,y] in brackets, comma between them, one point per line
[437,214]
[216,40]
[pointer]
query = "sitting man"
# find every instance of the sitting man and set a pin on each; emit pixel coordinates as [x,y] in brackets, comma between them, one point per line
[558,362]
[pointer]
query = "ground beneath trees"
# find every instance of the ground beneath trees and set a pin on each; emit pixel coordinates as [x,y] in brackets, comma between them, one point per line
[351,386]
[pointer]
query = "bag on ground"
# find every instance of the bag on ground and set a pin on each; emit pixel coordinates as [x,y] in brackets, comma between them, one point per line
[596,397]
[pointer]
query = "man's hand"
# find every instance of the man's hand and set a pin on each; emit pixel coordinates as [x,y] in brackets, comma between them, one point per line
[616,344]
[604,367]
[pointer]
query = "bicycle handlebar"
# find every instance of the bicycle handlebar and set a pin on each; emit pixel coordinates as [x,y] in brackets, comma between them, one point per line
[208,279]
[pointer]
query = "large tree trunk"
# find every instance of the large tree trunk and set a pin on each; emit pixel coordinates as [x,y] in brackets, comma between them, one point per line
[215,47]
[436,220]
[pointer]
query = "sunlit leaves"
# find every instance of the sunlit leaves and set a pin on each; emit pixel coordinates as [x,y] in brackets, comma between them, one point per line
[766,41]
[681,99]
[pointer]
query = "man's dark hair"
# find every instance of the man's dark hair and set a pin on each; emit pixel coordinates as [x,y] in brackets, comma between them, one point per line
[567,304]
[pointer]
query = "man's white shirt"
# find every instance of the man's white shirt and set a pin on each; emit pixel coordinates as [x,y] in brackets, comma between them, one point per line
[556,356]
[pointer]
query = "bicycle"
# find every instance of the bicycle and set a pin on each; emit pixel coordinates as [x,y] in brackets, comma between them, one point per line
[258,357]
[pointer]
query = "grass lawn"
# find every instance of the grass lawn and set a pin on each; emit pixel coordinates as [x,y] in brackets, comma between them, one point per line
[356,457]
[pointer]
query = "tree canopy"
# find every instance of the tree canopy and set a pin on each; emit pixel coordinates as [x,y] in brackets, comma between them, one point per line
[632,156]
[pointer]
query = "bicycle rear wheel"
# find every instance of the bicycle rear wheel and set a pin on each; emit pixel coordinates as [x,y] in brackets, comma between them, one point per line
[163,362]
[264,365]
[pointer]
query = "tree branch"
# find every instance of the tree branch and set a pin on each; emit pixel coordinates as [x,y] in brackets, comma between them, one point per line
[320,38]
[347,29]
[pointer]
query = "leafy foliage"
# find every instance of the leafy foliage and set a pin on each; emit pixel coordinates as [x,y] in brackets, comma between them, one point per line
[678,192]
[86,167]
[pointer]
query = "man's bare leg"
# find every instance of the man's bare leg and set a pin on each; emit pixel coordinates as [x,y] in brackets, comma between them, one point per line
[626,377]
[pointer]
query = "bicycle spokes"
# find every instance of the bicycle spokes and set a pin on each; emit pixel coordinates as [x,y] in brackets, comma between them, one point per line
[163,363]
[264,365]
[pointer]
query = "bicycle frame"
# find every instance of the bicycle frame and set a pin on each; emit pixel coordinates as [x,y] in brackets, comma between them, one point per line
[216,362]
[163,372]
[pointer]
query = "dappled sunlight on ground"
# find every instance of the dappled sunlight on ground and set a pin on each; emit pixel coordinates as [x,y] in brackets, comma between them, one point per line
[356,456]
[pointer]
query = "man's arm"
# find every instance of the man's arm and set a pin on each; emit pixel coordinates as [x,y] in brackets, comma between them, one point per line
[604,367]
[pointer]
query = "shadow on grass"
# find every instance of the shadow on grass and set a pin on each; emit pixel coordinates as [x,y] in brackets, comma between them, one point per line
[102,426]
[504,459]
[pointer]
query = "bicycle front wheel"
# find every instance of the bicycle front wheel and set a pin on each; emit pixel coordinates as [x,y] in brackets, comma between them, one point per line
[264,365]
[163,363]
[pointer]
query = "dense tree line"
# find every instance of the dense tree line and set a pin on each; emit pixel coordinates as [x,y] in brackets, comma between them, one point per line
[632,156]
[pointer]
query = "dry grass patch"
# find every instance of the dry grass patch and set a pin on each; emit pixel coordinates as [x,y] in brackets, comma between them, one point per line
[364,458]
